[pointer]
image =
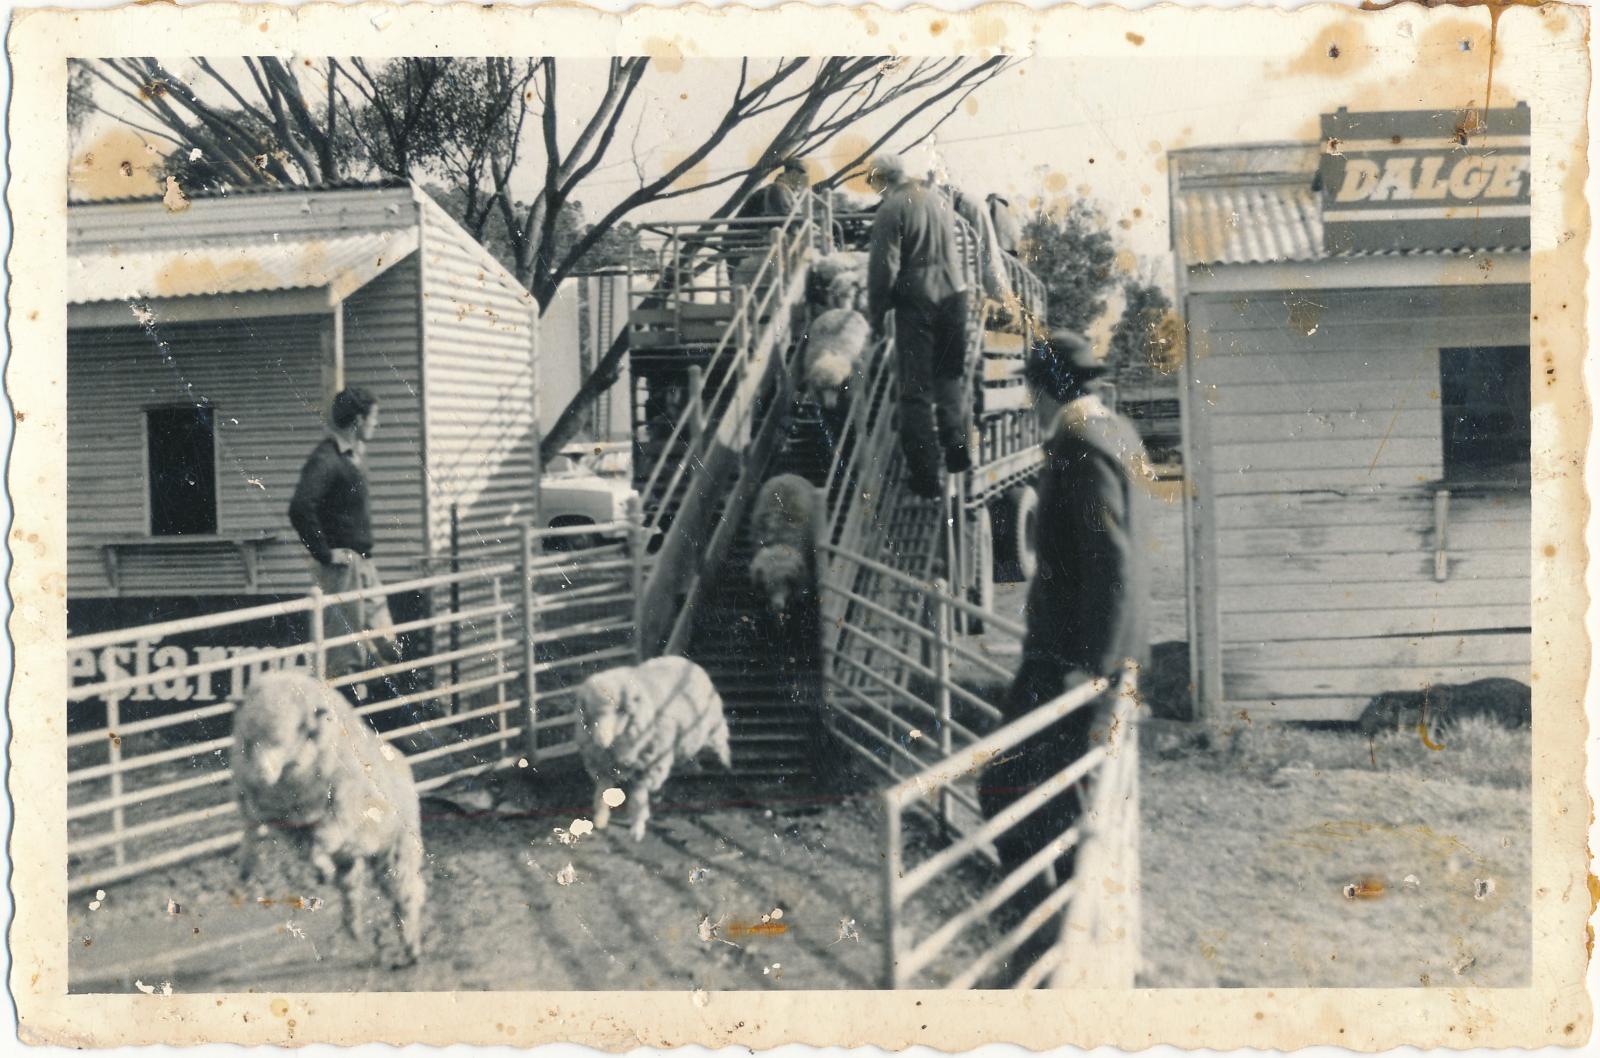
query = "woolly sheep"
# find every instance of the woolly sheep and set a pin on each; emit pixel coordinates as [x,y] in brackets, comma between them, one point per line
[637,722]
[835,351]
[839,279]
[784,525]
[306,766]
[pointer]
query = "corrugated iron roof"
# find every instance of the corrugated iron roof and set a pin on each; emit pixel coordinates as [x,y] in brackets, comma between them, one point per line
[1247,224]
[343,264]
[1258,204]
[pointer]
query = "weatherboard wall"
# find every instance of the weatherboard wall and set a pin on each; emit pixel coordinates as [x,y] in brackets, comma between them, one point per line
[1317,438]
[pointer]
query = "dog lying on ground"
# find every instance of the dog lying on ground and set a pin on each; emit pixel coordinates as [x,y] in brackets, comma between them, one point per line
[1506,702]
[784,526]
[309,769]
[639,721]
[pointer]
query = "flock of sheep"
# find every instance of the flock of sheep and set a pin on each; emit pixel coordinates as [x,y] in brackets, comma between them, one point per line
[309,770]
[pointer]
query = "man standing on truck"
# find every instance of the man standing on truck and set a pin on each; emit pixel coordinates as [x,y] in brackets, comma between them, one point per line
[332,513]
[914,269]
[1086,604]
[771,204]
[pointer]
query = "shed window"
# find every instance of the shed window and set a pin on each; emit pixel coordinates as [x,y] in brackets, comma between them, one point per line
[1484,395]
[182,447]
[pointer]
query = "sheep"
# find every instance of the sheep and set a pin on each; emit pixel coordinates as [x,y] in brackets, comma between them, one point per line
[839,281]
[306,765]
[784,525]
[637,722]
[835,351]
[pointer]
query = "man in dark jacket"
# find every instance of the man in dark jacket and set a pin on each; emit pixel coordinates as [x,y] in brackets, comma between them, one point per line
[332,513]
[914,269]
[1087,603]
[771,204]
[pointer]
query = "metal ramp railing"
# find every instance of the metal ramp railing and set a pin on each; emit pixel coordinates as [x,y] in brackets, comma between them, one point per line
[721,320]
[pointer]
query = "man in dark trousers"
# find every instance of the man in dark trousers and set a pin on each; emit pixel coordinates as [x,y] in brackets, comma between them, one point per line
[332,513]
[914,269]
[1086,607]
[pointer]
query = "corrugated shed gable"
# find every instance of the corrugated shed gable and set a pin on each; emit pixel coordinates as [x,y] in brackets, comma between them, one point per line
[480,386]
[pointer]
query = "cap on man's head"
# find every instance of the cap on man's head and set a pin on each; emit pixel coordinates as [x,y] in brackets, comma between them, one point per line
[888,166]
[1061,363]
[795,165]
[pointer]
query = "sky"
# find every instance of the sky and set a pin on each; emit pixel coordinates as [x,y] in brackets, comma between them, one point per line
[1051,130]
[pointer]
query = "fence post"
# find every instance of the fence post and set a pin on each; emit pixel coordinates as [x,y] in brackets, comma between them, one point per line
[319,652]
[941,665]
[529,684]
[697,403]
[637,543]
[892,869]
[500,665]
[455,606]
[114,749]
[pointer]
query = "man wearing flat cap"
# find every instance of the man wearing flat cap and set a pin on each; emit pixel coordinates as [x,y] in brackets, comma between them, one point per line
[770,204]
[914,269]
[1086,604]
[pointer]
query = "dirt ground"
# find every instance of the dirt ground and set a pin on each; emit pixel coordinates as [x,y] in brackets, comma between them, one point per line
[1284,857]
[719,895]
[1311,859]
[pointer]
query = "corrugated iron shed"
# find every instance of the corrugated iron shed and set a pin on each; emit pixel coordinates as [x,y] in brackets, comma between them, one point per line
[343,264]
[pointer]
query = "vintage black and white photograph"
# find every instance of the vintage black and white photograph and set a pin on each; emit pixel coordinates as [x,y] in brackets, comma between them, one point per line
[690,521]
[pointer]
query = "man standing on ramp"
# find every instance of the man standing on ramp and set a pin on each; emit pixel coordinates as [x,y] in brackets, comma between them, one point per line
[914,270]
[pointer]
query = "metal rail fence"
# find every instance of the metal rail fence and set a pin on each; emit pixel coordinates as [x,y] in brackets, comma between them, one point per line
[930,735]
[154,791]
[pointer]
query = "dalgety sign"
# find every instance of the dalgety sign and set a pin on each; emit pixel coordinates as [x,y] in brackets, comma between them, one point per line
[1426,180]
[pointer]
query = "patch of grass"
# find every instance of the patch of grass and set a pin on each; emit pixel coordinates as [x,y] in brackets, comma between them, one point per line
[1253,837]
[1475,751]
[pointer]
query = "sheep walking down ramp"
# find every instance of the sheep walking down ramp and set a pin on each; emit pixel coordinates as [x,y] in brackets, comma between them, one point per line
[308,770]
[638,722]
[836,350]
[784,525]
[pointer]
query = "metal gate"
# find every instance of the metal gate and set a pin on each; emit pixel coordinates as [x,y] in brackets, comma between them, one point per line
[528,625]
[932,736]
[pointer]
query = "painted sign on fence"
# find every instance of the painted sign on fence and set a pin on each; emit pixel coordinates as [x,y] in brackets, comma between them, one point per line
[1426,180]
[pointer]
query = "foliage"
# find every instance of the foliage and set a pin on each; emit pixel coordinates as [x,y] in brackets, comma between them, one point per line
[80,94]
[1071,251]
[1144,346]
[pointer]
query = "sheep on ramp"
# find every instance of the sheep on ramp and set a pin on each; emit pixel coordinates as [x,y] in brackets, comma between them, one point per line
[637,722]
[784,526]
[837,279]
[306,766]
[836,348]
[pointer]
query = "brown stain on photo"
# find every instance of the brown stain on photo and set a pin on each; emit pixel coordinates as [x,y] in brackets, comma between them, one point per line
[665,55]
[115,165]
[1339,50]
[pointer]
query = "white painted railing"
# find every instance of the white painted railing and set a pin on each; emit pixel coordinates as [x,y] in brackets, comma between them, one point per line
[931,736]
[529,626]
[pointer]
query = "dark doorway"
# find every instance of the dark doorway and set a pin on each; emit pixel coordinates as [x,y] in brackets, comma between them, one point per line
[183,470]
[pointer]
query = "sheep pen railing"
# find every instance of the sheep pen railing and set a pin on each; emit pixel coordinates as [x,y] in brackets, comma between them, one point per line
[931,735]
[486,681]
